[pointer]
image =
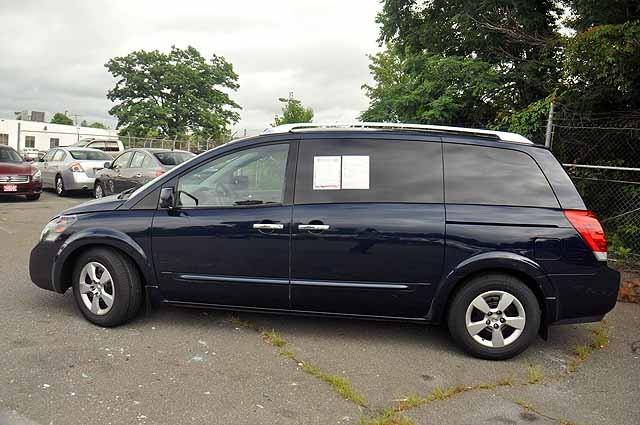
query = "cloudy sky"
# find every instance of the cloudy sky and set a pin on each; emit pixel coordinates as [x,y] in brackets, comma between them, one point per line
[52,54]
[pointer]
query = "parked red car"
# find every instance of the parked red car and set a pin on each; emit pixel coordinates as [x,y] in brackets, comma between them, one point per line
[18,177]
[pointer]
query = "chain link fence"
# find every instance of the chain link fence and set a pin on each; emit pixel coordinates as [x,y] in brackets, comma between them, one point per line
[604,163]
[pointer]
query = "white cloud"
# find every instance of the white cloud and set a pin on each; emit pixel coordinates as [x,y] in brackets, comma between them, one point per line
[52,54]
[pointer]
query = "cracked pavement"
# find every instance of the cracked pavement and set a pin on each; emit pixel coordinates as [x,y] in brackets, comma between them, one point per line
[180,366]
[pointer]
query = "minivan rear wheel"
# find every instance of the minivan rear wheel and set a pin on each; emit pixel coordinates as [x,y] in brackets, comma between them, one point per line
[107,287]
[494,316]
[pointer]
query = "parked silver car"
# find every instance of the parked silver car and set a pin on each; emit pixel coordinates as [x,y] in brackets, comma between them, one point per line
[66,169]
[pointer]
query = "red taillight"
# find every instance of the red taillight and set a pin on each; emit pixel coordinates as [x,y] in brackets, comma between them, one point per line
[587,224]
[159,173]
[76,167]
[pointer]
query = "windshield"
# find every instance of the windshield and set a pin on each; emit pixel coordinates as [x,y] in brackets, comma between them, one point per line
[173,158]
[81,143]
[90,155]
[9,155]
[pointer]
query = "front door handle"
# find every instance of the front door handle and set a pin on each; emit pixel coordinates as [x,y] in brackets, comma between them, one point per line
[268,226]
[139,175]
[313,227]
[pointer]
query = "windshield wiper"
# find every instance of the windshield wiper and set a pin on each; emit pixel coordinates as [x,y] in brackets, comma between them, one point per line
[249,202]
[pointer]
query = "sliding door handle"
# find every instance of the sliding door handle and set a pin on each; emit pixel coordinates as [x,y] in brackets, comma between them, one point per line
[312,227]
[268,226]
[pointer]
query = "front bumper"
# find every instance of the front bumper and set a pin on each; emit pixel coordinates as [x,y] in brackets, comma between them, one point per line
[31,188]
[41,264]
[587,297]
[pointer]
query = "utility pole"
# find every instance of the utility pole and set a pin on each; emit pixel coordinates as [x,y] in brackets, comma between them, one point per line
[549,134]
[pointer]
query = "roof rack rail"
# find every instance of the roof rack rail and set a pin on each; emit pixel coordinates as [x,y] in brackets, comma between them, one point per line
[501,135]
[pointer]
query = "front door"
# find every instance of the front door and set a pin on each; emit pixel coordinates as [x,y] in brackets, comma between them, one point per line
[118,172]
[227,240]
[368,226]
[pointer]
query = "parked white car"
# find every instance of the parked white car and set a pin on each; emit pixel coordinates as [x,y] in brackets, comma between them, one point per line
[112,147]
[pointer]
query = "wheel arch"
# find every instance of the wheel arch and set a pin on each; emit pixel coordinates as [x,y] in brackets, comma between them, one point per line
[68,254]
[523,268]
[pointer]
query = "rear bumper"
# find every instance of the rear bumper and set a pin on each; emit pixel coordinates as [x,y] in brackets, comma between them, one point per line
[586,297]
[78,181]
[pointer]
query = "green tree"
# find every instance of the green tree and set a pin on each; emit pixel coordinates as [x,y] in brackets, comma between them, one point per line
[173,94]
[293,112]
[60,118]
[431,89]
[500,63]
[98,125]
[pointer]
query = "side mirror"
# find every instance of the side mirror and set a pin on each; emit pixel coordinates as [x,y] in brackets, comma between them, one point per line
[28,159]
[41,159]
[166,198]
[107,164]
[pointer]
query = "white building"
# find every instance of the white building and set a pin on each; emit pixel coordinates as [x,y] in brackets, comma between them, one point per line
[43,136]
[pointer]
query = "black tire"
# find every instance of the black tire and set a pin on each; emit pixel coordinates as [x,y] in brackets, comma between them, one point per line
[482,285]
[33,197]
[127,284]
[101,188]
[59,186]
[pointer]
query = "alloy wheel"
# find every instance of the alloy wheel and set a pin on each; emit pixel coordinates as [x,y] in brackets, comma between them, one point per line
[495,319]
[97,290]
[59,186]
[99,193]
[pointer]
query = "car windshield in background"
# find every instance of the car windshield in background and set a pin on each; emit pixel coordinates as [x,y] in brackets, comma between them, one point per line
[173,158]
[9,155]
[90,155]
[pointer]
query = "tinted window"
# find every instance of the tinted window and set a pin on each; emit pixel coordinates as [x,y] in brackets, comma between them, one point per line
[398,171]
[9,155]
[173,158]
[49,156]
[137,160]
[148,162]
[493,176]
[59,156]
[111,146]
[248,177]
[122,160]
[90,155]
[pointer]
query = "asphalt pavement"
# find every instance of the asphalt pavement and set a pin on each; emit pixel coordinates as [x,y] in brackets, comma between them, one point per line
[184,366]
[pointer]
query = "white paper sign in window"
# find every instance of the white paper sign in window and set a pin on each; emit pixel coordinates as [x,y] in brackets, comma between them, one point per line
[326,172]
[355,172]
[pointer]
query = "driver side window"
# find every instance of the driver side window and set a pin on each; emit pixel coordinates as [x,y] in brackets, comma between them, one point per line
[250,177]
[122,161]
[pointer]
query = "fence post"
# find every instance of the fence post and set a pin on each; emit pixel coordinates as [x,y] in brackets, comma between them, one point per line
[174,143]
[549,133]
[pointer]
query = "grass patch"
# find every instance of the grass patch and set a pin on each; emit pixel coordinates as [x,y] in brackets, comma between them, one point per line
[443,394]
[236,321]
[340,384]
[525,405]
[410,402]
[534,375]
[388,417]
[274,338]
[582,352]
[600,337]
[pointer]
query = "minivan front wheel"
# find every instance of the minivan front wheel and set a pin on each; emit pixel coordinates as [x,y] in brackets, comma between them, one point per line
[494,316]
[107,287]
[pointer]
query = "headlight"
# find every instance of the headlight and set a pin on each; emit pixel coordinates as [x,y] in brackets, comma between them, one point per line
[36,176]
[56,227]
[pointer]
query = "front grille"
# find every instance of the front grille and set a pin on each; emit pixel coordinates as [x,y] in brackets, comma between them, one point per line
[14,179]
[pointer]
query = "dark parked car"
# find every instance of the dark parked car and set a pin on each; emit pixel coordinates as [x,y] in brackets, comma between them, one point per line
[136,167]
[17,176]
[481,230]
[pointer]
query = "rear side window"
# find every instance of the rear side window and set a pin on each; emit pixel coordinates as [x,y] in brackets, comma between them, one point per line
[355,170]
[493,176]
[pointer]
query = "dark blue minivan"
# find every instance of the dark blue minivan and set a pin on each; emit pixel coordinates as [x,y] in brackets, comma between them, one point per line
[479,229]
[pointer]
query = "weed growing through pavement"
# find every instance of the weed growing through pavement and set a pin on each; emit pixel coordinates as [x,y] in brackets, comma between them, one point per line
[534,375]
